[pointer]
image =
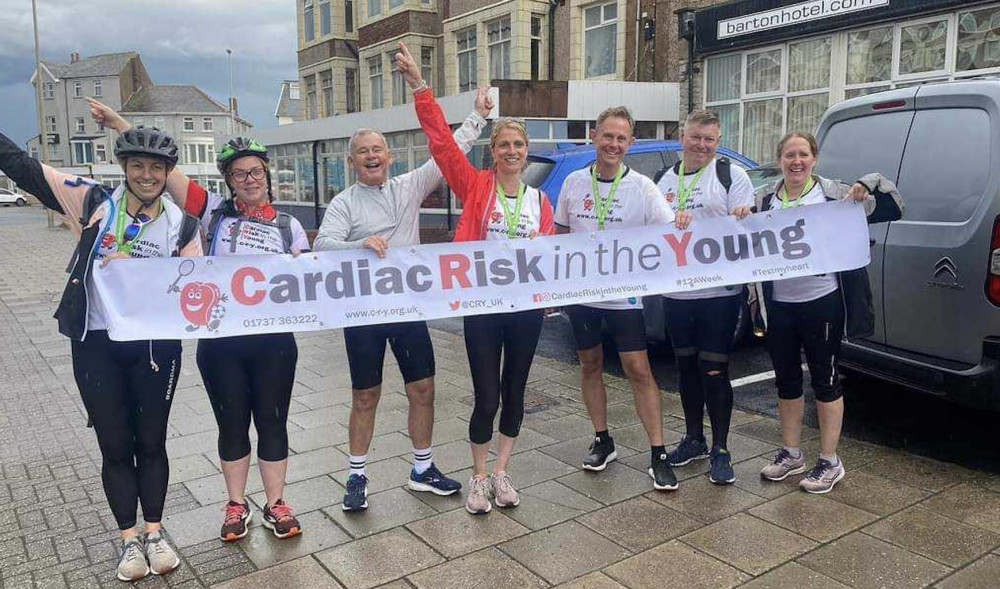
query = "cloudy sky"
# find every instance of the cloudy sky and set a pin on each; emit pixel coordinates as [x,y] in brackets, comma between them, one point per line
[180,42]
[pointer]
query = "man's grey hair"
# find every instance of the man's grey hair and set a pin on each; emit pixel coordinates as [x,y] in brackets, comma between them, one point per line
[361,132]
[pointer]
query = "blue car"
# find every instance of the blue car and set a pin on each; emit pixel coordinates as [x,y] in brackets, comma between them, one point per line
[548,170]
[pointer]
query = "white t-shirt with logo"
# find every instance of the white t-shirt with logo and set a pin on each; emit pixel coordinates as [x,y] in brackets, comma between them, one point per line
[804,288]
[531,215]
[707,199]
[637,203]
[251,237]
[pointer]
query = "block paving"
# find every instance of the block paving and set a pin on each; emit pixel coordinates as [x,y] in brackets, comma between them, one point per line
[897,520]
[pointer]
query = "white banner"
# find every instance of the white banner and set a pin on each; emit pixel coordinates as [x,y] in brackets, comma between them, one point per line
[178,298]
[792,15]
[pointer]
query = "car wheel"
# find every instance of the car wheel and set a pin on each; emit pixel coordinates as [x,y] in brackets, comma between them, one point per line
[21,202]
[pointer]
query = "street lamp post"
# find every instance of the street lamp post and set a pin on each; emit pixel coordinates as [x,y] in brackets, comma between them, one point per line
[232,101]
[42,143]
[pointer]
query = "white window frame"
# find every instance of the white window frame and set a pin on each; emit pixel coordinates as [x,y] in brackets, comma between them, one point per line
[397,84]
[473,52]
[374,76]
[78,89]
[100,153]
[48,90]
[308,21]
[540,38]
[78,160]
[604,23]
[207,124]
[188,124]
[951,40]
[846,54]
[427,69]
[503,44]
[98,89]
[51,124]
[954,62]
[81,125]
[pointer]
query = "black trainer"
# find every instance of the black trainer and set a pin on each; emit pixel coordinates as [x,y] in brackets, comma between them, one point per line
[601,453]
[662,474]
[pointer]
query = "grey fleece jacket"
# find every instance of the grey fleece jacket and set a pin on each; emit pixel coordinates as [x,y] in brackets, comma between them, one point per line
[391,210]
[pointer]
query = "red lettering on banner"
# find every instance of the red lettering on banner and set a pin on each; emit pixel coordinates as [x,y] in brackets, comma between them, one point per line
[455,266]
[679,247]
[239,286]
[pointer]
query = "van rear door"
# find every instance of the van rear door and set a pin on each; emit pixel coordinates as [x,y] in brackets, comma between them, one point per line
[856,138]
[936,257]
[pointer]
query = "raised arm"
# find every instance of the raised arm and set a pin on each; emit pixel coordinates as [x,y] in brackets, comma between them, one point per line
[186,193]
[447,150]
[881,198]
[29,174]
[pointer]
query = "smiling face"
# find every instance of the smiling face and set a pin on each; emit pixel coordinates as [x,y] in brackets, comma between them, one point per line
[510,150]
[612,138]
[250,191]
[370,157]
[796,160]
[699,143]
[146,176]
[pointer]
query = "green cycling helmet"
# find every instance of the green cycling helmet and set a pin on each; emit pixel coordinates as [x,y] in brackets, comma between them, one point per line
[239,147]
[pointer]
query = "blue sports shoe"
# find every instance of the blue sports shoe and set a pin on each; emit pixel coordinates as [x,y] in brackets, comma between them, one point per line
[688,450]
[722,468]
[433,481]
[356,497]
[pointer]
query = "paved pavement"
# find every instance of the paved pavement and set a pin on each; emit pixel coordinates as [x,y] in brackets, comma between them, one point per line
[897,520]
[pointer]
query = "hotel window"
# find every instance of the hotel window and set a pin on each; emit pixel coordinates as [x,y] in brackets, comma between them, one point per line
[98,90]
[600,38]
[207,124]
[427,64]
[467,65]
[48,91]
[978,40]
[189,123]
[498,41]
[536,46]
[308,20]
[375,80]
[351,89]
[869,61]
[81,125]
[923,47]
[722,93]
[325,18]
[808,83]
[398,85]
[326,81]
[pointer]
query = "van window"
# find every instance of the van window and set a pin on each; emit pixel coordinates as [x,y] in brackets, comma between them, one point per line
[858,146]
[647,164]
[946,166]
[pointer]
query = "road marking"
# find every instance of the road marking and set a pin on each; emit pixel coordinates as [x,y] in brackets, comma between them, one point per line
[759,377]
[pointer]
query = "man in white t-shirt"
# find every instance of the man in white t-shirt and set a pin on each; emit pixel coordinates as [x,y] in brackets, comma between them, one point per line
[702,323]
[609,195]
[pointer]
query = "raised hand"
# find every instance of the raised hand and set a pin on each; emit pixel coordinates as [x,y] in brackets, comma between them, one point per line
[858,192]
[406,65]
[106,116]
[484,104]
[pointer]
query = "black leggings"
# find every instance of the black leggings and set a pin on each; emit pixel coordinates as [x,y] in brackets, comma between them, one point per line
[129,402]
[515,335]
[250,375]
[816,327]
[702,333]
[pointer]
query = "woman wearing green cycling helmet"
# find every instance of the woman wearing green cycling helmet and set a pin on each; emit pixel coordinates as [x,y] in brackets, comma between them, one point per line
[250,375]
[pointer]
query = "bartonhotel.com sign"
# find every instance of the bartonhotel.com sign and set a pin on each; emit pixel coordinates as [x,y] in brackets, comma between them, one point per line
[793,15]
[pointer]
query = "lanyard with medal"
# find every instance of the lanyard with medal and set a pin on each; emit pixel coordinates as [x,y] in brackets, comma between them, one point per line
[127,235]
[683,192]
[603,205]
[785,204]
[511,217]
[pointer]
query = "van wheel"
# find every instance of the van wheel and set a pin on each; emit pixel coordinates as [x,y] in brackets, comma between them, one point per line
[21,202]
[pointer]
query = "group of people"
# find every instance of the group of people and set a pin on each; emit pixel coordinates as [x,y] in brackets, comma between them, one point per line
[127,387]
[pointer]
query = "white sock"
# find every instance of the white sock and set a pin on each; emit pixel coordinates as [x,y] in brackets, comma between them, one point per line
[422,459]
[357,464]
[833,460]
[795,452]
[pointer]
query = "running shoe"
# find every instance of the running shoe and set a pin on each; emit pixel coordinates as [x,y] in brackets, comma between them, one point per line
[688,450]
[279,519]
[601,453]
[783,466]
[504,493]
[433,481]
[234,526]
[662,475]
[356,497]
[823,477]
[478,501]
[132,564]
[161,556]
[722,467]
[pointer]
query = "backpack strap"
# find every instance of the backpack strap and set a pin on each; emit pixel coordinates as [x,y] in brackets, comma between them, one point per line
[189,228]
[285,227]
[724,172]
[95,197]
[765,203]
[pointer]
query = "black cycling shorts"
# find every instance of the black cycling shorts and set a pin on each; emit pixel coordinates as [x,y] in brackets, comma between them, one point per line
[702,325]
[626,327]
[411,345]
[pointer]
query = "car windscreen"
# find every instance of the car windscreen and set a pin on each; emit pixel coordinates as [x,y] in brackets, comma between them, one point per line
[536,171]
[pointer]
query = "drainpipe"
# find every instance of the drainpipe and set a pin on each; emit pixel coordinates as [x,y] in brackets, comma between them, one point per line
[638,12]
[686,30]
[315,158]
[552,38]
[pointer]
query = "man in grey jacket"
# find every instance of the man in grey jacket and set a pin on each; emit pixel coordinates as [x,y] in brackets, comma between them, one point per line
[374,213]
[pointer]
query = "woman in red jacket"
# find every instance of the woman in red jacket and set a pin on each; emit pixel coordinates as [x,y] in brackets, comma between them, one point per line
[496,204]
